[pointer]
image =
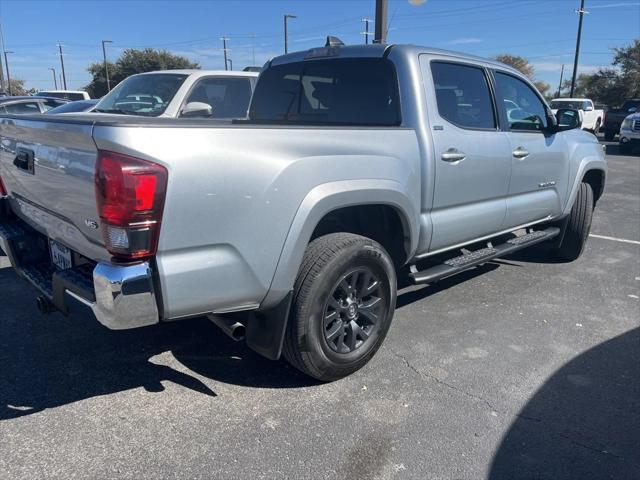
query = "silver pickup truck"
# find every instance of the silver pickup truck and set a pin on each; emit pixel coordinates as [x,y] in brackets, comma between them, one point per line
[357,164]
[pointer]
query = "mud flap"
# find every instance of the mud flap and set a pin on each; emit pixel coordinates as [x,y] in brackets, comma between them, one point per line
[266,329]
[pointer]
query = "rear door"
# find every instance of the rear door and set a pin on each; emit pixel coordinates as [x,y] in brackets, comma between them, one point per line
[472,156]
[539,160]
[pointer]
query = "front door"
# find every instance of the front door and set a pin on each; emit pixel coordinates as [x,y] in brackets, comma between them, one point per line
[472,157]
[540,163]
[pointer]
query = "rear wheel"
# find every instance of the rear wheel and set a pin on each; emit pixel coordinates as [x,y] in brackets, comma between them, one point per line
[344,300]
[609,135]
[578,224]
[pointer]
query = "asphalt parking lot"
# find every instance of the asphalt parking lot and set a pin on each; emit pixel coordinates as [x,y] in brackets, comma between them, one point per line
[520,369]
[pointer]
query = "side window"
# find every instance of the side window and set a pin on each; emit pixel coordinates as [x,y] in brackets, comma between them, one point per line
[228,96]
[49,104]
[23,108]
[524,109]
[463,96]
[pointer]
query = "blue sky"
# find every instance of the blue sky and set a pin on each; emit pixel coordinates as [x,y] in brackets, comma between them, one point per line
[542,30]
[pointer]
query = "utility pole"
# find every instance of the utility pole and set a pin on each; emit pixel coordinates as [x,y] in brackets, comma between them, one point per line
[560,84]
[581,12]
[106,68]
[55,82]
[366,30]
[6,64]
[382,8]
[1,68]
[230,64]
[224,49]
[287,16]
[253,48]
[64,76]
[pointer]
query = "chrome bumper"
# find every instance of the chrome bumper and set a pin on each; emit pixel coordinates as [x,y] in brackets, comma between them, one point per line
[124,296]
[120,296]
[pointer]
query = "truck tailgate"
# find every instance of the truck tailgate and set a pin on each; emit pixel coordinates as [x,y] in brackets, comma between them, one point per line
[47,166]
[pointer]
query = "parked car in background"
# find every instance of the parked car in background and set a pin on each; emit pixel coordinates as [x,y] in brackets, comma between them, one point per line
[182,93]
[630,133]
[614,117]
[72,95]
[28,105]
[75,107]
[590,117]
[290,225]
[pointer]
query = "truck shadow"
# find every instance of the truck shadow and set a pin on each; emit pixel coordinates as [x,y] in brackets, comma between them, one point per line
[584,422]
[46,362]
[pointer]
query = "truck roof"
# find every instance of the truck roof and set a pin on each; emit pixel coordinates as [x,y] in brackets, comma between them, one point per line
[378,51]
[202,73]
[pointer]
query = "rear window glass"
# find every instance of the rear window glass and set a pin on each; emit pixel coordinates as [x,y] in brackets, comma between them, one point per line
[463,96]
[328,92]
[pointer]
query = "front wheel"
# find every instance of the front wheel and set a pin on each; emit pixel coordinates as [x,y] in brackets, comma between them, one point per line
[344,300]
[596,129]
[578,225]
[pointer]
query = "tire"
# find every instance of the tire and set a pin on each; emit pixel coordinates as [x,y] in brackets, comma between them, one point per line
[609,135]
[341,277]
[576,229]
[597,127]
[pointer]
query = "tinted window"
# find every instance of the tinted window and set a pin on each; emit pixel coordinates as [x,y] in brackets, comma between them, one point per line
[556,104]
[147,94]
[228,97]
[328,92]
[463,95]
[527,111]
[23,108]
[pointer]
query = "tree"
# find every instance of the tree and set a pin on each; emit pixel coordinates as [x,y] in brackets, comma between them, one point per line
[519,63]
[18,88]
[611,85]
[131,62]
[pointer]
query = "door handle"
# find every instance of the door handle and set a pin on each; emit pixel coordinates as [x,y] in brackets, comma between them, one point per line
[453,155]
[24,160]
[520,152]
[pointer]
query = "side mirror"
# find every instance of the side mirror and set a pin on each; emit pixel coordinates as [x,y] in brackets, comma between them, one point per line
[588,108]
[567,119]
[196,109]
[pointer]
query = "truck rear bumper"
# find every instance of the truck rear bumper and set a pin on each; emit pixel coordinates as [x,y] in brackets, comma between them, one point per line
[120,296]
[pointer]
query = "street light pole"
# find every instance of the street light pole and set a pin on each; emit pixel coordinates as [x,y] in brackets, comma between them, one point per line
[382,8]
[287,16]
[64,76]
[581,12]
[6,64]
[55,81]
[106,68]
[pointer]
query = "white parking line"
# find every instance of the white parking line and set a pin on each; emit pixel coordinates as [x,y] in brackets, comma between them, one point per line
[615,239]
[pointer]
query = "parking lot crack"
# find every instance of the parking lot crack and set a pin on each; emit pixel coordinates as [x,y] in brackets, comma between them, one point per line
[439,381]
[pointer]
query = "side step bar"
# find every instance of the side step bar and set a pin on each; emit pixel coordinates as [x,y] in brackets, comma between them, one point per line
[478,257]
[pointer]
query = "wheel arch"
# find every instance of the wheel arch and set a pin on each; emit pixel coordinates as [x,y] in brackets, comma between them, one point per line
[340,199]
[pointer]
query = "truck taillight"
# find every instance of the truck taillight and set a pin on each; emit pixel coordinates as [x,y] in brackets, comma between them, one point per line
[130,196]
[3,189]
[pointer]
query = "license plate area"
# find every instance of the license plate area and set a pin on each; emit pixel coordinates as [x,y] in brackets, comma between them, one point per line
[61,256]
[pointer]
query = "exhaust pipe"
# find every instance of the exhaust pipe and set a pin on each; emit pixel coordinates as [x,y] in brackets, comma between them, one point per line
[230,326]
[44,305]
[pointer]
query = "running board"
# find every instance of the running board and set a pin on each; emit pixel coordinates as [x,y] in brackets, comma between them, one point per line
[478,257]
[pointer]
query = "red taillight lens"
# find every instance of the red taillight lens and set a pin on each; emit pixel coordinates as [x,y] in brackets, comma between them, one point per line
[3,189]
[130,196]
